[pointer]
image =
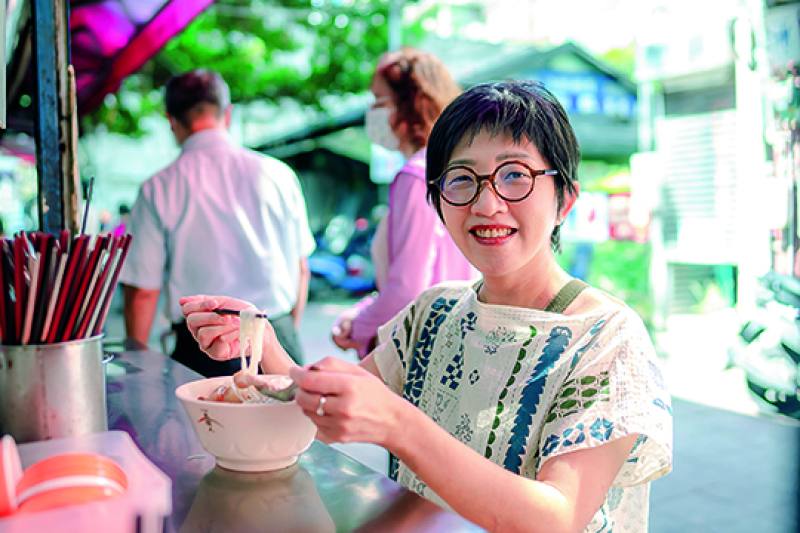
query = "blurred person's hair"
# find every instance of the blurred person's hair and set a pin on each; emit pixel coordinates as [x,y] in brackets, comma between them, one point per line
[422,87]
[196,92]
[519,109]
[123,209]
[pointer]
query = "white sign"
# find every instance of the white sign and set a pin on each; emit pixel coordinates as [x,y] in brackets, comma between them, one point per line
[588,220]
[783,37]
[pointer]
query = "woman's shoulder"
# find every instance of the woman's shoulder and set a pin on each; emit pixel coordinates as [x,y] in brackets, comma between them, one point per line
[413,170]
[593,300]
[447,291]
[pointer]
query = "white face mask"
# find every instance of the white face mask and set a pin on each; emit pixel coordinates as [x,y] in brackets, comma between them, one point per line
[376,122]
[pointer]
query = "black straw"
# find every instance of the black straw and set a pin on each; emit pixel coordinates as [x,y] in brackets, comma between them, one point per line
[86,207]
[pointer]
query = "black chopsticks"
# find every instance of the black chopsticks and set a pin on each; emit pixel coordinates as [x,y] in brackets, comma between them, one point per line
[223,311]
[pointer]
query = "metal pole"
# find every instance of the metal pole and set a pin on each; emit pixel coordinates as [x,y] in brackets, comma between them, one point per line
[49,42]
[395,24]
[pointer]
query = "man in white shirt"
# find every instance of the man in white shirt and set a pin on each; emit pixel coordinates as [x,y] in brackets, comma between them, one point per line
[220,219]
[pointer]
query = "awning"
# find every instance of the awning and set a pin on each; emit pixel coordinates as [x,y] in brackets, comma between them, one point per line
[112,39]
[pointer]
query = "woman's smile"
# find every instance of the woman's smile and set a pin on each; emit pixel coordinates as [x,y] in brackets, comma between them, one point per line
[492,234]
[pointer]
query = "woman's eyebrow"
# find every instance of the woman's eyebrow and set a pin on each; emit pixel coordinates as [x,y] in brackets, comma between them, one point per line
[468,162]
[513,155]
[500,157]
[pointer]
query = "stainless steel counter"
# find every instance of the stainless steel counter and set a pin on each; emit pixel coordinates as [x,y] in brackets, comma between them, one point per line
[325,491]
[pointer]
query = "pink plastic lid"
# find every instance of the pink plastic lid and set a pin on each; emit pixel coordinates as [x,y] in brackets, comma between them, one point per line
[10,474]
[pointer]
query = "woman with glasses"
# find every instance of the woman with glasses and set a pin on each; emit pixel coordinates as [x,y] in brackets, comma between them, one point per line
[411,250]
[525,401]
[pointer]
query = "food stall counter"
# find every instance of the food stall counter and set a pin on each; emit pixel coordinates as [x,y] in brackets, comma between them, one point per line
[325,491]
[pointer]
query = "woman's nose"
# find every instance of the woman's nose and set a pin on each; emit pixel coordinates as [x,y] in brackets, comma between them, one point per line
[488,202]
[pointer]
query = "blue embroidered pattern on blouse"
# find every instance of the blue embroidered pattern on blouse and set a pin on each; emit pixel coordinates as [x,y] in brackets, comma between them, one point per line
[523,353]
[555,345]
[593,332]
[455,368]
[600,430]
[407,325]
[418,367]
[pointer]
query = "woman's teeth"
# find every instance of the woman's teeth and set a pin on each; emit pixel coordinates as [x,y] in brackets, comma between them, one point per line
[492,233]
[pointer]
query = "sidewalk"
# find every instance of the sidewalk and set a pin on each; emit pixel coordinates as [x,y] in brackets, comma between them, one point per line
[694,349]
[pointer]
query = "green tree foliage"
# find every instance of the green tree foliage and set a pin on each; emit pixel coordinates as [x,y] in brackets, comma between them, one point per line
[265,50]
[623,59]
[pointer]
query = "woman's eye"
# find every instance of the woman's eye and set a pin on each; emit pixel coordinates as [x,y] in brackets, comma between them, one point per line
[513,175]
[459,180]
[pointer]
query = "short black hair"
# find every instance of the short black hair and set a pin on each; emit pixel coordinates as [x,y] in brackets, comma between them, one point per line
[515,108]
[187,91]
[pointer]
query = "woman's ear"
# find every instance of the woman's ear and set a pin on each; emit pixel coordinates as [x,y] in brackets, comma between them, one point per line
[568,203]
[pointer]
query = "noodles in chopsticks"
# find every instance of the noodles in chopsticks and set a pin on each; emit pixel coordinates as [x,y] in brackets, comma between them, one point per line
[251,335]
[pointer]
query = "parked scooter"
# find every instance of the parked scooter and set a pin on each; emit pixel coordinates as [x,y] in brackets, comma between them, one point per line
[342,261]
[769,346]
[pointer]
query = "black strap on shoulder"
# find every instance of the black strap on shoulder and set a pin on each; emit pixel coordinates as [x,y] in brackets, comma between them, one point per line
[566,296]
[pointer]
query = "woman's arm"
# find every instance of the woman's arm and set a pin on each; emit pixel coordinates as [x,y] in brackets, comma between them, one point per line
[568,491]
[360,408]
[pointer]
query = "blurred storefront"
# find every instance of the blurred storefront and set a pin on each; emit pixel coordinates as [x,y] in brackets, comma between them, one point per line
[702,77]
[782,36]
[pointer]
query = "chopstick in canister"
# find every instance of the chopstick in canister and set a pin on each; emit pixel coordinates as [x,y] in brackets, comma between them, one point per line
[47,270]
[74,259]
[55,288]
[7,264]
[97,320]
[93,309]
[34,270]
[223,311]
[81,286]
[90,292]
[19,285]
[2,294]
[108,291]
[48,321]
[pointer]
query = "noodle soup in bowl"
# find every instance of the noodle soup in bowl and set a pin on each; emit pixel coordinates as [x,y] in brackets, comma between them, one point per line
[247,437]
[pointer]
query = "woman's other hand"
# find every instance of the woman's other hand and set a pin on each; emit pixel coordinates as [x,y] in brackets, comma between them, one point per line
[217,335]
[342,332]
[358,407]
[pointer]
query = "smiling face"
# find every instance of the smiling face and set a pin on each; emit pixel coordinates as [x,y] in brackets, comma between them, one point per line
[503,238]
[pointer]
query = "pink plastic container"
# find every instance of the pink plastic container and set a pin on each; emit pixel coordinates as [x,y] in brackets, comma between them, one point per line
[147,493]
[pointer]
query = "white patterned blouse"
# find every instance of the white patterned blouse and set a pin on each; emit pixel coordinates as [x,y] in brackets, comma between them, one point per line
[521,386]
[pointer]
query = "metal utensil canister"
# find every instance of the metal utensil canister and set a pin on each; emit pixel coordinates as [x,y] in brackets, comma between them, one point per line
[50,391]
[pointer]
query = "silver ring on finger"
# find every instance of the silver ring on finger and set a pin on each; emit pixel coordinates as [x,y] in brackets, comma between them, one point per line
[321,405]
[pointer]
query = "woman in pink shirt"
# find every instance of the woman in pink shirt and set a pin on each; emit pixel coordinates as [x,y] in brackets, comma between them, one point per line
[411,88]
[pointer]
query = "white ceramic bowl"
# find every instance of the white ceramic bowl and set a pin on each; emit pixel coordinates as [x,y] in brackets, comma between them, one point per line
[246,437]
